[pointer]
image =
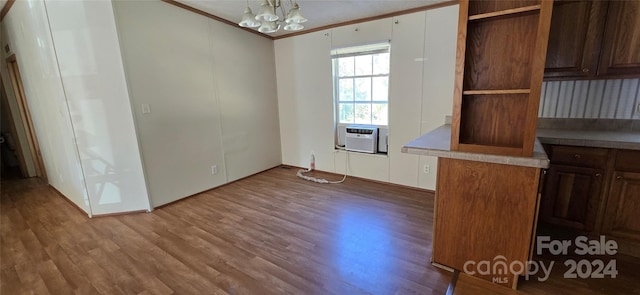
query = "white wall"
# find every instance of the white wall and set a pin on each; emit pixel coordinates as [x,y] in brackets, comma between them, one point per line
[27,33]
[244,75]
[211,93]
[421,93]
[88,52]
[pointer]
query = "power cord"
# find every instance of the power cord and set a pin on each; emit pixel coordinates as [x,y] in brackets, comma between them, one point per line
[322,180]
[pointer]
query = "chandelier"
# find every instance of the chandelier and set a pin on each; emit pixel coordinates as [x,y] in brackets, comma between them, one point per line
[267,19]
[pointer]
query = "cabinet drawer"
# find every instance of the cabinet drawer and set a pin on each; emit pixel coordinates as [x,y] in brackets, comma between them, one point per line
[579,156]
[628,160]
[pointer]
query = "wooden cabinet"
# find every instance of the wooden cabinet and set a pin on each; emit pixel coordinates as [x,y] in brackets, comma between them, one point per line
[622,216]
[621,46]
[484,210]
[594,191]
[575,38]
[572,196]
[499,68]
[573,189]
[594,40]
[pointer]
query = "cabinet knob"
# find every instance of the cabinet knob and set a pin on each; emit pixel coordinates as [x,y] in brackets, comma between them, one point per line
[619,177]
[577,156]
[598,174]
[585,70]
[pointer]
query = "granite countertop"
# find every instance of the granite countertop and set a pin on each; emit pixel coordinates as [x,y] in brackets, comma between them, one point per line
[437,143]
[591,138]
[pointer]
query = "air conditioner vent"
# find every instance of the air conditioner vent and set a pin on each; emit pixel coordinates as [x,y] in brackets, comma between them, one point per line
[361,138]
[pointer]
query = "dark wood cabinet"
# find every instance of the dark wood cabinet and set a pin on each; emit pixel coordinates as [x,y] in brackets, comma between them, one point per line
[621,46]
[594,40]
[575,38]
[622,214]
[594,191]
[572,196]
[573,187]
[623,207]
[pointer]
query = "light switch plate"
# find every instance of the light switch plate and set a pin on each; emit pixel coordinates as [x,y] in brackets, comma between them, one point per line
[146,109]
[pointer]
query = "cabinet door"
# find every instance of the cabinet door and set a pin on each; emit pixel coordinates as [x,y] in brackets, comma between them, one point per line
[362,33]
[621,44]
[571,197]
[574,38]
[622,217]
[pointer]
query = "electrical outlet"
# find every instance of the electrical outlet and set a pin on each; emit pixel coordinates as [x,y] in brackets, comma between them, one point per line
[426,169]
[214,169]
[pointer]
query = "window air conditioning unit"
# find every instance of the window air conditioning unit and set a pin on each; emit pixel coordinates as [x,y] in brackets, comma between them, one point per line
[361,139]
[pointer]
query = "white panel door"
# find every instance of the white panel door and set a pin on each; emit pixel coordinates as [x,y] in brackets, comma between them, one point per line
[405,97]
[362,33]
[305,99]
[88,51]
[439,72]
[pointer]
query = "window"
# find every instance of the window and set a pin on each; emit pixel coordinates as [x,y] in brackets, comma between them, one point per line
[361,84]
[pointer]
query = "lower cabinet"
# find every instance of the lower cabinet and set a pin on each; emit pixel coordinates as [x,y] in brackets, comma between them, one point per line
[622,215]
[571,196]
[594,191]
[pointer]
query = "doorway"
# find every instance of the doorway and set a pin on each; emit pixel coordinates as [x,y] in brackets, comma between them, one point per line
[25,117]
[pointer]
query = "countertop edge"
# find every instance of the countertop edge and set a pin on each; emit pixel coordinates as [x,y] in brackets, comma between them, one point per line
[436,144]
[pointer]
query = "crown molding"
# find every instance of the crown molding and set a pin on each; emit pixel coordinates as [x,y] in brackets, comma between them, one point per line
[371,18]
[361,20]
[214,17]
[6,8]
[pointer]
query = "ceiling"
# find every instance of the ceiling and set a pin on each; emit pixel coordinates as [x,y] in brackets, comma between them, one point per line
[319,12]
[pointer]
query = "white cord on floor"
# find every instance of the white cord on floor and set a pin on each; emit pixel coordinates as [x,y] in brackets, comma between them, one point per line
[322,180]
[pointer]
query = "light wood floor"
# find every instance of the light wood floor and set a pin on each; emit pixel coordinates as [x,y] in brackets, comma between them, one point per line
[271,233]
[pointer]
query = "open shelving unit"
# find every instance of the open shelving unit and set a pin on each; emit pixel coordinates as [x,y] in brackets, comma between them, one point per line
[499,69]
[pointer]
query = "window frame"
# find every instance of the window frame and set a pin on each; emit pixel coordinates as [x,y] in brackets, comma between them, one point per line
[355,51]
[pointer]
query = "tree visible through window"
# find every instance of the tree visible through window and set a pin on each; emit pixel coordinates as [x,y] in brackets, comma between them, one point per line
[361,82]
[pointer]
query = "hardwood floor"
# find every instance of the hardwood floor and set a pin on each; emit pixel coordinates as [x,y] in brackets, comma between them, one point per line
[271,233]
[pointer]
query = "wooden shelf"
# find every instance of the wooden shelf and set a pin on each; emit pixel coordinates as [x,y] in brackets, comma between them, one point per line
[499,69]
[500,91]
[505,61]
[504,12]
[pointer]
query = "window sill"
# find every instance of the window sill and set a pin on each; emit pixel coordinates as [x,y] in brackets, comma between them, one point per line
[378,155]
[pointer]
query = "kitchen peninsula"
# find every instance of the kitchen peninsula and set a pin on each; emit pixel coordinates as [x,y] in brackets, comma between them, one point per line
[486,205]
[489,160]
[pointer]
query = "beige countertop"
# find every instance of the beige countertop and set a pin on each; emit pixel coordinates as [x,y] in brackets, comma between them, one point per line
[437,143]
[591,138]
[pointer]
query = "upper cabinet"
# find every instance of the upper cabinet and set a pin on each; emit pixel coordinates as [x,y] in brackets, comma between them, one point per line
[362,33]
[594,40]
[621,46]
[575,38]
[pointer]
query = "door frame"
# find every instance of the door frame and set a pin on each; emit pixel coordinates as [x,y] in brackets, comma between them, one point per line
[25,116]
[4,103]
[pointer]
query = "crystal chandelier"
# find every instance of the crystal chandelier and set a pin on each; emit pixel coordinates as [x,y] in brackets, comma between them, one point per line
[267,19]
